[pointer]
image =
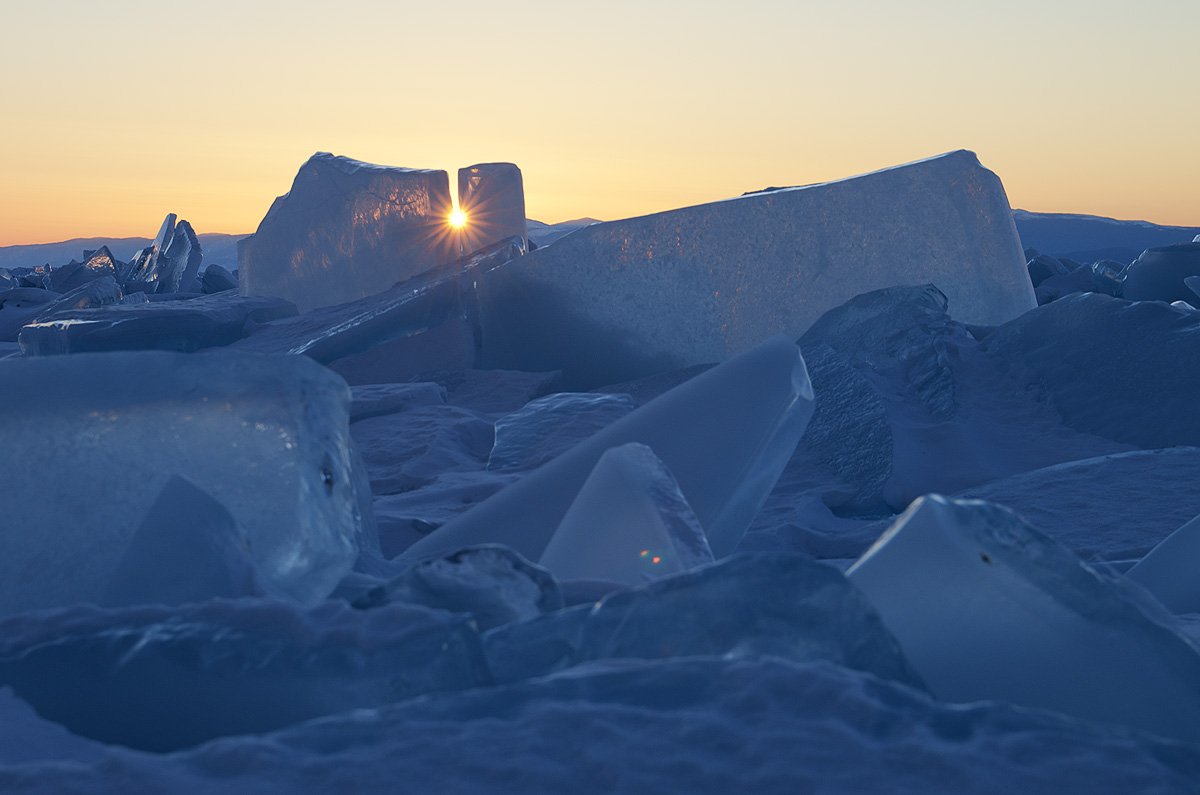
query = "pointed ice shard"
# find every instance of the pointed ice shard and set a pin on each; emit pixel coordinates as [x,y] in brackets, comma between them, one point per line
[180,262]
[1169,571]
[146,267]
[629,523]
[725,435]
[986,607]
[188,549]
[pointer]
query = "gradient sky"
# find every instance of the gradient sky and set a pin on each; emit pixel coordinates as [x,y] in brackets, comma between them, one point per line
[114,112]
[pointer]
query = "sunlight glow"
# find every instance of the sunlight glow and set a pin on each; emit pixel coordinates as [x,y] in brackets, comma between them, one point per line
[457,219]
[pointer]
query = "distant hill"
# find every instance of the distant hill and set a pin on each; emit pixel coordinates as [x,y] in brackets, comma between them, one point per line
[1088,238]
[1085,238]
[218,248]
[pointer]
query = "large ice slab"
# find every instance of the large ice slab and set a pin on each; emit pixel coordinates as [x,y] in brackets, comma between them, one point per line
[620,300]
[629,524]
[1169,570]
[492,195]
[986,607]
[160,679]
[346,230]
[96,437]
[175,325]
[725,435]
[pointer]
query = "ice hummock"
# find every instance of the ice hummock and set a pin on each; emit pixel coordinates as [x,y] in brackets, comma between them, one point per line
[765,604]
[629,523]
[725,435]
[160,679]
[625,299]
[986,607]
[97,437]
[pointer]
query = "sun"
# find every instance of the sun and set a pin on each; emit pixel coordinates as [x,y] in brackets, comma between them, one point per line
[457,219]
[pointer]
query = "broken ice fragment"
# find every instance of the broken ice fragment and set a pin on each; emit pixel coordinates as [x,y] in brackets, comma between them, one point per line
[546,427]
[629,524]
[492,197]
[725,435]
[986,607]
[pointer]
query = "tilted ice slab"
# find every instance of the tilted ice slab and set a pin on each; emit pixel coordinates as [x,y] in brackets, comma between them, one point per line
[180,262]
[725,435]
[404,309]
[346,230]
[986,607]
[624,299]
[629,523]
[160,678]
[1160,274]
[91,440]
[1169,571]
[185,325]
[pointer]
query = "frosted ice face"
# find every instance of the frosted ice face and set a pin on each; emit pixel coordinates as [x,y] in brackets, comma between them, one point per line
[725,435]
[624,299]
[1169,570]
[786,606]
[160,679]
[185,325]
[550,425]
[1193,284]
[97,437]
[492,583]
[986,607]
[347,230]
[493,197]
[629,523]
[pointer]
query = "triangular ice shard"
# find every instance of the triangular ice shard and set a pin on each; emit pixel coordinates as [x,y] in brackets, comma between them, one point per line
[986,607]
[725,435]
[1169,571]
[630,523]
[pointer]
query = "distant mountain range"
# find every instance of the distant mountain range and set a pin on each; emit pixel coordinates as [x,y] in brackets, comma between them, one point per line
[1088,238]
[218,248]
[1085,238]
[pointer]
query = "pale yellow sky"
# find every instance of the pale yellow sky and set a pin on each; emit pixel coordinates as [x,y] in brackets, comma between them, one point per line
[114,113]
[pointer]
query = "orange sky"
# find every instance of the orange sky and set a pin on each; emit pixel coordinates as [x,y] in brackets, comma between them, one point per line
[112,114]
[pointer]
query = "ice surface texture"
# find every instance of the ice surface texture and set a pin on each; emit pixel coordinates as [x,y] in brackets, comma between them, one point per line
[629,523]
[346,230]
[96,437]
[725,435]
[986,607]
[625,299]
[1159,273]
[550,425]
